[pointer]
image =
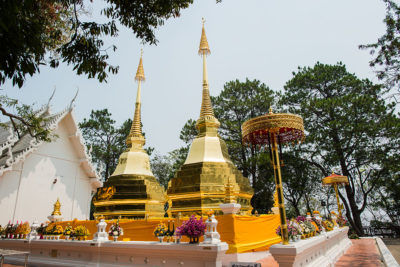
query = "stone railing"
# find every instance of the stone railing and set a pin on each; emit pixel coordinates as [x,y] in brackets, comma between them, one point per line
[319,251]
[111,254]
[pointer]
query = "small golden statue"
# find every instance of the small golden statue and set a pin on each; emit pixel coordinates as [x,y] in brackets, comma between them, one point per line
[57,207]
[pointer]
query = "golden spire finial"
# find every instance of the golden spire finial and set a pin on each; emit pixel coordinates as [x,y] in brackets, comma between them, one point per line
[270,110]
[140,71]
[57,207]
[135,134]
[207,118]
[204,48]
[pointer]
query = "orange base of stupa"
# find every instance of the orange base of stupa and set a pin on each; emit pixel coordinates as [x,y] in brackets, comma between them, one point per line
[242,233]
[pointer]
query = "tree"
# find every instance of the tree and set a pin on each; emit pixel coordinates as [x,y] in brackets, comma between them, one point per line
[161,166]
[349,126]
[47,32]
[386,198]
[301,180]
[164,167]
[105,140]
[25,119]
[386,49]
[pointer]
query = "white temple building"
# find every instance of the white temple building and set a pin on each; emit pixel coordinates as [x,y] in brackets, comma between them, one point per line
[34,174]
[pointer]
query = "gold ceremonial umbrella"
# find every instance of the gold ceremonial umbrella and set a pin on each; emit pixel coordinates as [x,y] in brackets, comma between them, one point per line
[336,180]
[275,129]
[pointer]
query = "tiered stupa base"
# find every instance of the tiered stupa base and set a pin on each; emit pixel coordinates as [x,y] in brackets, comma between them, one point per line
[203,186]
[134,197]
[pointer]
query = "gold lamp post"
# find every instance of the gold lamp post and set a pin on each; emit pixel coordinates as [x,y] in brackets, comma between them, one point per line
[274,130]
[336,180]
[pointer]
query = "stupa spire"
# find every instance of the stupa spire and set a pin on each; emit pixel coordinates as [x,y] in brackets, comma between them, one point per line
[135,135]
[207,118]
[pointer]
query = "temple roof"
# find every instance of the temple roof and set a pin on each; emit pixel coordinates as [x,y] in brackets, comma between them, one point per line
[14,149]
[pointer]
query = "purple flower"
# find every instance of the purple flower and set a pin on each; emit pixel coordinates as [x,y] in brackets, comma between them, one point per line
[300,218]
[192,227]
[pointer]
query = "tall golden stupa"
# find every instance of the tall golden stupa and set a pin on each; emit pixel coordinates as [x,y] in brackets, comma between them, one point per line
[208,177]
[132,191]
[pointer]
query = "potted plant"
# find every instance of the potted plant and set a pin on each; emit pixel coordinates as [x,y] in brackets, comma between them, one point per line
[8,230]
[81,232]
[17,232]
[193,229]
[41,230]
[2,232]
[311,228]
[294,230]
[57,231]
[25,229]
[68,231]
[341,221]
[48,232]
[317,225]
[328,225]
[116,231]
[160,231]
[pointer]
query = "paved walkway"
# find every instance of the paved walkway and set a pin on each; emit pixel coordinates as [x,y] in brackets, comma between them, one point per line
[268,262]
[394,246]
[363,252]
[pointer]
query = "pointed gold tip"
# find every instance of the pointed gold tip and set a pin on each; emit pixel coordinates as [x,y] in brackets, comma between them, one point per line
[204,48]
[270,110]
[140,71]
[135,135]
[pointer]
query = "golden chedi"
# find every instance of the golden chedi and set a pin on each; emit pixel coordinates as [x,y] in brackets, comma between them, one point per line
[208,177]
[132,191]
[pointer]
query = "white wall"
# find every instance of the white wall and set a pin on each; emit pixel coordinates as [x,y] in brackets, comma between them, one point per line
[37,191]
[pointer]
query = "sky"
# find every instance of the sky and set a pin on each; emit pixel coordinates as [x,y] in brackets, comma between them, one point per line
[257,39]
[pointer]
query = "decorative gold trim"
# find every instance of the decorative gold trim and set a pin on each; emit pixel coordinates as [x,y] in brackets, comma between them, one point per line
[104,193]
[335,180]
[126,201]
[289,127]
[201,195]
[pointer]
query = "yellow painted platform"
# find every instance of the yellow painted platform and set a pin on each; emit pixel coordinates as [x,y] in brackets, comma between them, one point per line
[242,233]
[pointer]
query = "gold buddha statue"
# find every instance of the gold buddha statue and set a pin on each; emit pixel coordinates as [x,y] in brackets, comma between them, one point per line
[208,177]
[132,191]
[57,208]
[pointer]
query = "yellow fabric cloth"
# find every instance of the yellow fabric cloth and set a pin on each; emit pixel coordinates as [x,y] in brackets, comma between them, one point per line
[242,233]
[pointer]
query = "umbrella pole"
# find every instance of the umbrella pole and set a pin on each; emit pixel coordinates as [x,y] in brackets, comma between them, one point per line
[337,199]
[278,181]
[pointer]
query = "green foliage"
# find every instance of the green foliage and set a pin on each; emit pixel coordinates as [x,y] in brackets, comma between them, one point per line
[25,120]
[161,166]
[165,167]
[349,126]
[301,181]
[387,197]
[105,140]
[188,132]
[386,49]
[30,29]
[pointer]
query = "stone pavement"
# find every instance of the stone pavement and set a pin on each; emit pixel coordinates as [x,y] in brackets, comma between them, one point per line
[394,247]
[364,252]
